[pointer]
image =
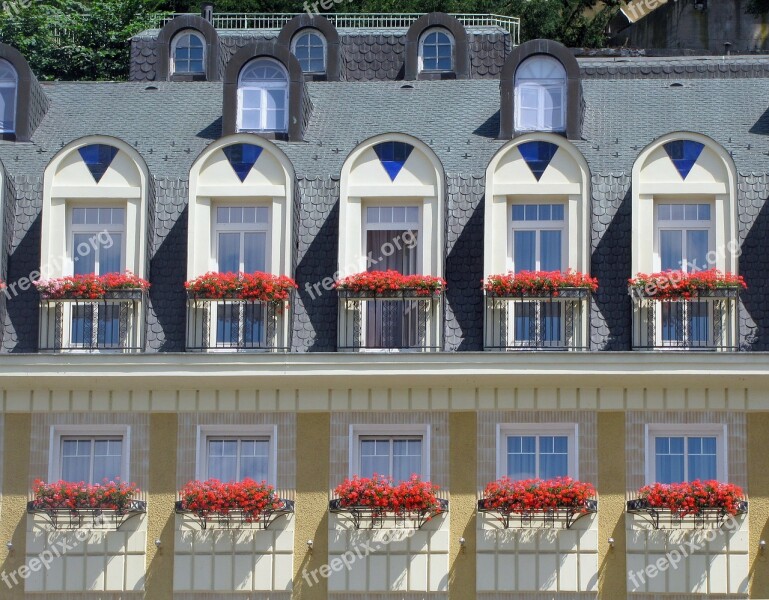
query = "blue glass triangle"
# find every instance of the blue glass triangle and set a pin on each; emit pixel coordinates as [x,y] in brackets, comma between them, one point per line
[538,156]
[242,158]
[684,154]
[98,158]
[393,155]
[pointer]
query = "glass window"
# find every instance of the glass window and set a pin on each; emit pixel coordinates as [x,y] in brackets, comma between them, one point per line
[188,54]
[684,236]
[681,458]
[540,95]
[8,92]
[436,51]
[241,234]
[538,237]
[309,47]
[396,457]
[97,240]
[91,460]
[263,96]
[236,459]
[537,451]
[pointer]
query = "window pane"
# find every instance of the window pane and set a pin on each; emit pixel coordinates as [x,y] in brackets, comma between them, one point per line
[703,212]
[255,250]
[700,322]
[550,250]
[669,459]
[672,322]
[553,457]
[229,252]
[111,254]
[254,460]
[407,459]
[374,457]
[697,249]
[671,251]
[703,462]
[524,250]
[107,458]
[521,457]
[76,460]
[83,254]
[222,459]
[8,108]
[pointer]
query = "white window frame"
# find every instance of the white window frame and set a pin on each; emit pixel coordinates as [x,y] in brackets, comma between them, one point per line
[174,44]
[90,431]
[241,228]
[15,86]
[389,431]
[324,43]
[73,229]
[540,85]
[263,86]
[452,43]
[717,430]
[538,226]
[505,430]
[683,226]
[206,432]
[413,226]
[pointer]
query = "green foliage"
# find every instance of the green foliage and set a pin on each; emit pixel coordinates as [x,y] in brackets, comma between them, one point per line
[757,7]
[72,40]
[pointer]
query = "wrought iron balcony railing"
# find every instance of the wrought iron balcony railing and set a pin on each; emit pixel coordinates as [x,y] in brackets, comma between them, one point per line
[232,325]
[709,321]
[115,323]
[529,322]
[400,321]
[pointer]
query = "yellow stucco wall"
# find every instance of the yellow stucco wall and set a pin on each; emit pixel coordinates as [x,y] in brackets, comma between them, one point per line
[612,564]
[463,431]
[758,511]
[160,507]
[313,450]
[13,516]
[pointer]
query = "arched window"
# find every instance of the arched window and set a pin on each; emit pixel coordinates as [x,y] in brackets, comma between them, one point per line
[263,96]
[188,52]
[540,95]
[436,51]
[8,86]
[309,47]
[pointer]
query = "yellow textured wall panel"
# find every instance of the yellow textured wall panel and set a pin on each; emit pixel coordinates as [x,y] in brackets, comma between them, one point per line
[463,456]
[612,567]
[160,506]
[313,451]
[758,511]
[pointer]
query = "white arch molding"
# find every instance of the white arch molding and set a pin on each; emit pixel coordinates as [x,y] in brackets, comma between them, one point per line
[67,183]
[713,180]
[509,179]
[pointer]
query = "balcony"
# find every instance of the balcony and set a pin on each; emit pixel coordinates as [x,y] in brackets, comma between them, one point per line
[707,321]
[538,321]
[403,320]
[236,325]
[114,323]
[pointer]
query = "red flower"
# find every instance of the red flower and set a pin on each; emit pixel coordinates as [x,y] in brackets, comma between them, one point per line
[674,285]
[536,283]
[262,287]
[89,287]
[508,496]
[214,497]
[379,492]
[110,495]
[690,498]
[384,282]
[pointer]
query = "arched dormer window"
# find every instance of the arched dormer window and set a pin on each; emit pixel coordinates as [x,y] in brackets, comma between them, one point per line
[9,80]
[436,51]
[309,47]
[263,96]
[540,95]
[188,54]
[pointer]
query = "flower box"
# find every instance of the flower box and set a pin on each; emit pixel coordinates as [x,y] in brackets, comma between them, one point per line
[72,505]
[93,287]
[258,286]
[704,503]
[376,502]
[232,504]
[538,503]
[678,285]
[390,284]
[540,284]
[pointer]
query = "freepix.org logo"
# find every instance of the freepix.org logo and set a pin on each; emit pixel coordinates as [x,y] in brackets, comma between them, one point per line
[638,9]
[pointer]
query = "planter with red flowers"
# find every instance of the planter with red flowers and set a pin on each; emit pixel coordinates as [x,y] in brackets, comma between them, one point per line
[538,310]
[390,284]
[694,505]
[377,502]
[93,287]
[679,285]
[238,312]
[237,504]
[538,503]
[75,505]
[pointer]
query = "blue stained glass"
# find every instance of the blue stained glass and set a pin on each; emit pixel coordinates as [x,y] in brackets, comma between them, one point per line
[538,156]
[684,153]
[242,158]
[98,158]
[393,155]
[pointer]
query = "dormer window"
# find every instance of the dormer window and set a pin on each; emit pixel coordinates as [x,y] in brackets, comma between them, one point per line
[540,95]
[263,96]
[188,54]
[436,51]
[309,47]
[8,91]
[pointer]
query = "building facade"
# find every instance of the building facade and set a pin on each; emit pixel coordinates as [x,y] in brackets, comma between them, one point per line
[435,146]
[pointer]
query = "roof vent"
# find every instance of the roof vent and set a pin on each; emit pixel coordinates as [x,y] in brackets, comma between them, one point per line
[407,87]
[151,88]
[677,84]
